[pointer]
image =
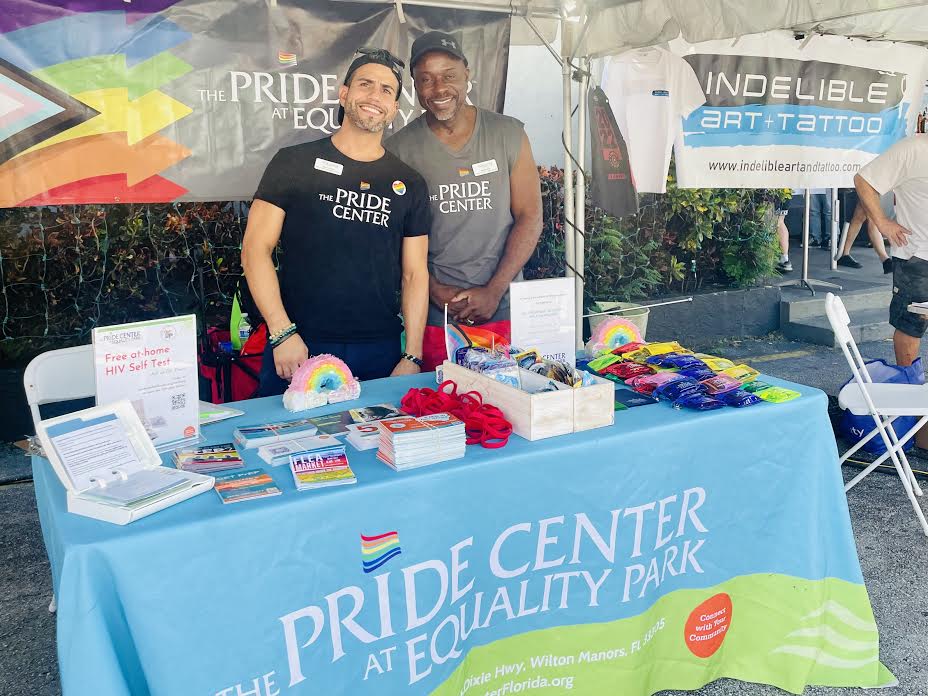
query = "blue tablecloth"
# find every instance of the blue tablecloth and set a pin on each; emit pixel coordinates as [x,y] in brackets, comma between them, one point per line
[666,551]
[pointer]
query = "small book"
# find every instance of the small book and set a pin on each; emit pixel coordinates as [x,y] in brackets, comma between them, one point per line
[279,453]
[321,469]
[237,486]
[251,436]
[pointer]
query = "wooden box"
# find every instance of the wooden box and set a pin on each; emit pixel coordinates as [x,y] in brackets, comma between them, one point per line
[537,416]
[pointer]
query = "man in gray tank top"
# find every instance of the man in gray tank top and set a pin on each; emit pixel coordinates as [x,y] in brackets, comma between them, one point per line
[484,192]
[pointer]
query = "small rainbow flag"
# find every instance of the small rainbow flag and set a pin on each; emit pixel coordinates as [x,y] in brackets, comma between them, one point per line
[377,550]
[463,171]
[286,58]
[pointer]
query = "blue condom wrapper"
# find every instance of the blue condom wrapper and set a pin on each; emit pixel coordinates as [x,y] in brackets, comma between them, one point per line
[671,391]
[698,402]
[739,398]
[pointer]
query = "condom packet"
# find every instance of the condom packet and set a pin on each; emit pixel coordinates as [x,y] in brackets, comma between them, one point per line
[627,370]
[671,391]
[778,395]
[698,373]
[665,347]
[756,386]
[718,364]
[627,348]
[698,402]
[742,373]
[739,398]
[646,384]
[720,383]
[603,361]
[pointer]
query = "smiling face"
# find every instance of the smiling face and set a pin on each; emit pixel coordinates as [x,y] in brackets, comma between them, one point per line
[441,84]
[370,98]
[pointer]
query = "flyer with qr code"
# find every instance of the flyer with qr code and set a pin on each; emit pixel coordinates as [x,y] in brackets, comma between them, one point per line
[153,364]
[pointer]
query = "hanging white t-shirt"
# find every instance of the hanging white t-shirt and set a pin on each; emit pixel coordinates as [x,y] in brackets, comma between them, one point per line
[651,91]
[903,169]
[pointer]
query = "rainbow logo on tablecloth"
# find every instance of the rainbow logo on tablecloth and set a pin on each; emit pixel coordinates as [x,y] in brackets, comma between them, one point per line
[285,58]
[377,550]
[615,332]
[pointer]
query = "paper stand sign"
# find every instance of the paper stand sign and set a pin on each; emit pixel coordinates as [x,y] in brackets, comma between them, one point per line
[152,364]
[542,317]
[109,467]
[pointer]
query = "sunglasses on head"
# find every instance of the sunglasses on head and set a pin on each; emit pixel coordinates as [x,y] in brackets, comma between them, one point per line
[380,54]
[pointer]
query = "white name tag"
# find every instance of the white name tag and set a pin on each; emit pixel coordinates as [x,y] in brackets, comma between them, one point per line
[488,167]
[330,167]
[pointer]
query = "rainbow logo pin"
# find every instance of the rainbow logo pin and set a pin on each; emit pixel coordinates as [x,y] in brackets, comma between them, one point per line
[399,188]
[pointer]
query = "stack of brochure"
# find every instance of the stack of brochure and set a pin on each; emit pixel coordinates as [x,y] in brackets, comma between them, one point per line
[251,436]
[209,459]
[237,486]
[321,468]
[279,453]
[407,442]
[363,436]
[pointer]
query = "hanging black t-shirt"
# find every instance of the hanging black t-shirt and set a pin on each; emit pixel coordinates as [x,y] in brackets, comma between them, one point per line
[341,244]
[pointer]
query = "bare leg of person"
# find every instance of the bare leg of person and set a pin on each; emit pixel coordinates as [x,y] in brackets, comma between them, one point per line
[906,348]
[784,266]
[857,220]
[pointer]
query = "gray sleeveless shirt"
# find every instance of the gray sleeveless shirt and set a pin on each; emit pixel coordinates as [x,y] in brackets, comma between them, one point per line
[469,195]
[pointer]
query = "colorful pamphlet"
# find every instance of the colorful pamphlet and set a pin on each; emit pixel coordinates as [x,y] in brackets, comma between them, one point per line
[407,442]
[321,469]
[213,413]
[237,486]
[279,452]
[363,436]
[369,414]
[209,458]
[251,436]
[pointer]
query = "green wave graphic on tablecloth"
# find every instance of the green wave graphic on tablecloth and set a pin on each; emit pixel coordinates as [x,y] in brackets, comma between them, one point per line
[772,629]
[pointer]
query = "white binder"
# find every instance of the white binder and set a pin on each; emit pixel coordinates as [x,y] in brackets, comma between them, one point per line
[103,452]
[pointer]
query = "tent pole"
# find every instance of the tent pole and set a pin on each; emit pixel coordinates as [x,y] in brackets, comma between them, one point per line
[568,162]
[835,227]
[580,199]
[805,281]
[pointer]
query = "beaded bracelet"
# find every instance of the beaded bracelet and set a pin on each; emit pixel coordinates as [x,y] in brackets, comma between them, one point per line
[413,359]
[277,338]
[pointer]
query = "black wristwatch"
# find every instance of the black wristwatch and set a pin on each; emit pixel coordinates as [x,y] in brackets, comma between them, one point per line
[413,359]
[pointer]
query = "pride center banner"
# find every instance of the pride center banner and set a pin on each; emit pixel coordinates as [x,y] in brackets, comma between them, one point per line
[159,100]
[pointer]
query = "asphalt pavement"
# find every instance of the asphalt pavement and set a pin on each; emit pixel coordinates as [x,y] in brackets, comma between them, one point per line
[893,552]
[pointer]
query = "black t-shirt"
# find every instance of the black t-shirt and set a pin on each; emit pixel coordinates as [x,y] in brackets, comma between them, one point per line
[341,244]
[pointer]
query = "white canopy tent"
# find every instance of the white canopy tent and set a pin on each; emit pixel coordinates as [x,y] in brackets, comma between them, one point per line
[596,28]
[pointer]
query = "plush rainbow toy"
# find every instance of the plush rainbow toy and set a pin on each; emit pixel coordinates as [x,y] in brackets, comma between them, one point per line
[321,380]
[612,333]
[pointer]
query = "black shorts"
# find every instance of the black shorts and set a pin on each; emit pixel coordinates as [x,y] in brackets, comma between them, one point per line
[910,284]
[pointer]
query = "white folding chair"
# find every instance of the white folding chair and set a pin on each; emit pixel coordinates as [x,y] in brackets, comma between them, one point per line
[884,403]
[59,375]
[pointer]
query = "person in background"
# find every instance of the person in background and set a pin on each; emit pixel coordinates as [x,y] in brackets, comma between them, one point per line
[783,265]
[484,190]
[353,223]
[876,239]
[902,169]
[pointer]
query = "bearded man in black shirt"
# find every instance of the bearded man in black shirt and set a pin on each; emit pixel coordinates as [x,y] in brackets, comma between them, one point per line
[353,223]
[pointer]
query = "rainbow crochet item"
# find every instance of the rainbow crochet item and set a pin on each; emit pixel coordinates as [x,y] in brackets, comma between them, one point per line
[323,379]
[612,333]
